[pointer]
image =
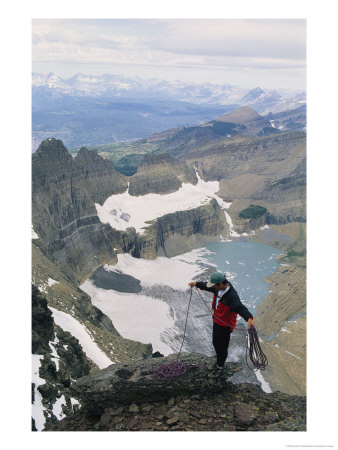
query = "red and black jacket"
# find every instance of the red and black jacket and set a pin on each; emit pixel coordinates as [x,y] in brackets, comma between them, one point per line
[226,307]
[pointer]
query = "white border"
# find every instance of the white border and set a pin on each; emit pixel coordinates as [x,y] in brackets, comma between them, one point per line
[322,88]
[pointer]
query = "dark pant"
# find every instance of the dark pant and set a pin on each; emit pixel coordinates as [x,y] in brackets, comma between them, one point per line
[220,341]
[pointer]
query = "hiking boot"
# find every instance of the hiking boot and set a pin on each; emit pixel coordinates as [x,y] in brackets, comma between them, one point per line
[216,370]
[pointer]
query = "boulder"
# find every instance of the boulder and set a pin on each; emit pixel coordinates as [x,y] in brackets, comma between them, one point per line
[137,382]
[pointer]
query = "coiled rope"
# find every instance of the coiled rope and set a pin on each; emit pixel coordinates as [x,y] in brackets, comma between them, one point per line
[257,357]
[169,370]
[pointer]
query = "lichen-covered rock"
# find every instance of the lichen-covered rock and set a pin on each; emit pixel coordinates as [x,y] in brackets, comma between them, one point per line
[123,383]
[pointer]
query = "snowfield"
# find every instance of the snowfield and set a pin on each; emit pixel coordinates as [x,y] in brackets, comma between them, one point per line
[141,317]
[80,332]
[123,211]
[173,272]
[137,317]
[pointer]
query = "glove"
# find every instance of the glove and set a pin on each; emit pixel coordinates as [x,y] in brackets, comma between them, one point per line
[250,322]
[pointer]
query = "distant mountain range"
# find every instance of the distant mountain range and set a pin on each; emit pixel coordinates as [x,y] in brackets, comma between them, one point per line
[106,86]
[94,110]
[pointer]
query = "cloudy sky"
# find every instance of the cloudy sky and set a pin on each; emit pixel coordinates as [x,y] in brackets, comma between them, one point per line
[270,53]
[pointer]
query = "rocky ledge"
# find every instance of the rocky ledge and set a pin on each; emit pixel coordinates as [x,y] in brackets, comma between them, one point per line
[130,397]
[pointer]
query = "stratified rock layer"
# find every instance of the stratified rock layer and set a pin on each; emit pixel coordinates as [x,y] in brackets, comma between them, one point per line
[161,174]
[63,205]
[281,319]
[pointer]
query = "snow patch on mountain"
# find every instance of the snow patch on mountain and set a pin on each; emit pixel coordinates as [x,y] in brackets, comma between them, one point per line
[37,406]
[265,385]
[54,355]
[34,235]
[80,332]
[51,282]
[233,233]
[123,211]
[57,407]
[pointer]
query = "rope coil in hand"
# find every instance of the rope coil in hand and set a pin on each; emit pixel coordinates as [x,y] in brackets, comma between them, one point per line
[256,355]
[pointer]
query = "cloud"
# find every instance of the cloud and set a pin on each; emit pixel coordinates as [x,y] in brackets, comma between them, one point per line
[246,38]
[200,44]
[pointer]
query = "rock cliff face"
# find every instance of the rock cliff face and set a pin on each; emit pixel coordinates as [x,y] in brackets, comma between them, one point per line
[285,198]
[243,155]
[160,174]
[281,319]
[61,359]
[63,195]
[130,397]
[277,182]
[177,233]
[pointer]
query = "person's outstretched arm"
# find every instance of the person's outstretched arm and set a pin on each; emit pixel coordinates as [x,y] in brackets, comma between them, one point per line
[202,285]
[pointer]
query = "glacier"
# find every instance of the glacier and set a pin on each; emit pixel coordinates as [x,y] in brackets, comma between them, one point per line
[122,211]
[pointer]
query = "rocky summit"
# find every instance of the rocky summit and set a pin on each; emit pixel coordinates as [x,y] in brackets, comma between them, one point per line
[123,383]
[246,121]
[132,397]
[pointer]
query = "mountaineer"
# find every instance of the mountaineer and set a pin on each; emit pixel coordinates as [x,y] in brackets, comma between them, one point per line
[226,305]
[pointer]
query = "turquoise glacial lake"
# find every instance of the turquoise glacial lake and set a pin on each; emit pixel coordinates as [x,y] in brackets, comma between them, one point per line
[246,265]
